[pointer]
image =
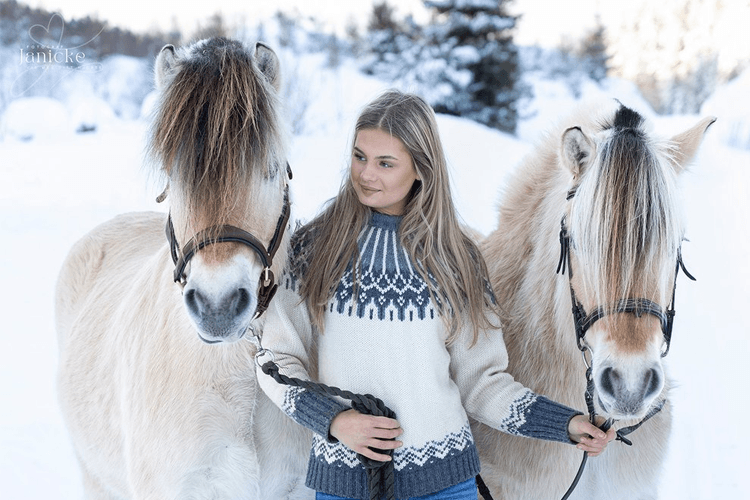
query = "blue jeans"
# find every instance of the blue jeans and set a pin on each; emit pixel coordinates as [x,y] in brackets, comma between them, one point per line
[462,491]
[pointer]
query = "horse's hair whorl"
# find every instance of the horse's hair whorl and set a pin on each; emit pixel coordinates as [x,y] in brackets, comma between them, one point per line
[217,124]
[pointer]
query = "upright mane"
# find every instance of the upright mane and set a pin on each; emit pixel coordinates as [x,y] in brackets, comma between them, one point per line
[217,126]
[624,221]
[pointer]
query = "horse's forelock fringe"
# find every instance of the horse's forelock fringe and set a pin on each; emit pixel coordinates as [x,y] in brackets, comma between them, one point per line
[624,219]
[216,129]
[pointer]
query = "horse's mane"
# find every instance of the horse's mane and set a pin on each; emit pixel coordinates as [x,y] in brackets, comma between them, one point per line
[624,219]
[217,126]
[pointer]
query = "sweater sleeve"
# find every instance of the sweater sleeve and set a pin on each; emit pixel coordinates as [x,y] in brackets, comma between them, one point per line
[288,334]
[491,395]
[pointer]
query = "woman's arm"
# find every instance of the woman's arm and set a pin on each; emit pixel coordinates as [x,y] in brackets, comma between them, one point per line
[288,334]
[492,396]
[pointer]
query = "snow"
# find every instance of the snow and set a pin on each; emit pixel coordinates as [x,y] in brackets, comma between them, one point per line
[56,184]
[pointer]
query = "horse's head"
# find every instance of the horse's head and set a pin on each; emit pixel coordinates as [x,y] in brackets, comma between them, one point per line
[624,232]
[217,138]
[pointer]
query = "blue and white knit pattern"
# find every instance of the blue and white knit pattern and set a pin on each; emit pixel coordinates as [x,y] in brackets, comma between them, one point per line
[389,287]
[391,342]
[453,442]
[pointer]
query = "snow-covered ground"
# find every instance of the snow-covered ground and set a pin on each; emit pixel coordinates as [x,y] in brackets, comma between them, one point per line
[57,185]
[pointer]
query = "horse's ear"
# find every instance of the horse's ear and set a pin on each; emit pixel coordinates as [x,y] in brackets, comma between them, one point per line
[577,150]
[268,63]
[165,64]
[686,144]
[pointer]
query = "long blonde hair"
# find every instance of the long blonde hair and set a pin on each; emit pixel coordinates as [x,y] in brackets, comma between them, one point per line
[446,258]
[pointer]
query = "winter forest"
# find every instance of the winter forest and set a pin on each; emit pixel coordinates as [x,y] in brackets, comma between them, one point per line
[76,96]
[464,60]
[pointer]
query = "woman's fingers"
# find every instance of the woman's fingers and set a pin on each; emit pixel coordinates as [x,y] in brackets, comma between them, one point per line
[373,454]
[365,434]
[386,433]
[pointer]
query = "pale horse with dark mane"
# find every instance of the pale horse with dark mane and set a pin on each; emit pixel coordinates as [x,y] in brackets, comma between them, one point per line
[160,398]
[597,201]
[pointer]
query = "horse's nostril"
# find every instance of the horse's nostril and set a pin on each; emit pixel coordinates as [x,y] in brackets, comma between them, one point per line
[240,301]
[194,301]
[608,380]
[651,382]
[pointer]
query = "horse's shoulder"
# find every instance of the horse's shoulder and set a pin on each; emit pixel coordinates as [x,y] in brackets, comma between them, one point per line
[120,242]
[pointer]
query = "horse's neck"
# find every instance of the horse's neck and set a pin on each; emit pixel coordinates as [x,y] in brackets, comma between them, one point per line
[522,256]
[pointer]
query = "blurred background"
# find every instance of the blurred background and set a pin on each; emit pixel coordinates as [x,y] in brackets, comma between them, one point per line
[471,59]
[76,96]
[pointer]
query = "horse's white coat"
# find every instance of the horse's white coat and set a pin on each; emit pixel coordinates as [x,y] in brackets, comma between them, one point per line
[153,411]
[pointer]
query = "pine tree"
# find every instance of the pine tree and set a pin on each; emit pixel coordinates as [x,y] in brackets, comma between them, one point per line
[593,53]
[474,39]
[387,40]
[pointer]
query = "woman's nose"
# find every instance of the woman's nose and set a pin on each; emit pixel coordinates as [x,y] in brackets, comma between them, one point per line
[367,172]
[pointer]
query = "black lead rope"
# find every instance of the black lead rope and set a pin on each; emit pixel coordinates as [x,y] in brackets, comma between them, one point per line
[380,475]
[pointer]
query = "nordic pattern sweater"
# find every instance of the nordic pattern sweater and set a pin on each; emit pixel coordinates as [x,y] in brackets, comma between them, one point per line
[391,343]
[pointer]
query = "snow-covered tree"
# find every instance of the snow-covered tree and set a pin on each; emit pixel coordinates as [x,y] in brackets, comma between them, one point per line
[390,42]
[670,49]
[472,61]
[593,53]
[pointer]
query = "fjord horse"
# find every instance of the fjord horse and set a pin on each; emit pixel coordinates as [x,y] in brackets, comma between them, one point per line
[598,201]
[159,396]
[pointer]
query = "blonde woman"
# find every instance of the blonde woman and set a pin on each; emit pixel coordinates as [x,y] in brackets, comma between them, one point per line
[386,295]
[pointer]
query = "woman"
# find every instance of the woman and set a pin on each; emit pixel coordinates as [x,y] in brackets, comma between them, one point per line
[386,295]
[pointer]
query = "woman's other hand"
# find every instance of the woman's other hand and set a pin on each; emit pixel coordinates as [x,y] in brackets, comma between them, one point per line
[590,438]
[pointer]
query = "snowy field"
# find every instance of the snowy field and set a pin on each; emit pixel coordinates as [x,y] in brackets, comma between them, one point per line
[57,185]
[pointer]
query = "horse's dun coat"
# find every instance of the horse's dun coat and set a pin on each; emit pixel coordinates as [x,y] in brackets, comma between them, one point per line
[626,230]
[155,411]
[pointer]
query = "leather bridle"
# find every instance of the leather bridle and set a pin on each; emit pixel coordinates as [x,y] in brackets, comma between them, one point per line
[582,321]
[637,306]
[226,233]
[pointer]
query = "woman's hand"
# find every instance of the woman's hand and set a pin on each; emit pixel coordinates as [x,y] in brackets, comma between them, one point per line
[590,438]
[361,432]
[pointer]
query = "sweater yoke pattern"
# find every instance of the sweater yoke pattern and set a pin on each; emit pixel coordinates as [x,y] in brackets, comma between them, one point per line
[388,286]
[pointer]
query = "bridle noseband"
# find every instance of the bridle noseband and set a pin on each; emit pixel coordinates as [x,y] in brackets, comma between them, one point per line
[230,234]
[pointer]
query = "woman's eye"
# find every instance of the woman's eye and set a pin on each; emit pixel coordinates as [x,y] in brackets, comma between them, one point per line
[359,157]
[385,165]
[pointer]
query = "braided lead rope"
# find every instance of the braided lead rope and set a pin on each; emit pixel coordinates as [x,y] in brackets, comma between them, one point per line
[380,475]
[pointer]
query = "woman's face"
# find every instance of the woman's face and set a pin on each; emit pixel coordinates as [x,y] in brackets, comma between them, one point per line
[382,171]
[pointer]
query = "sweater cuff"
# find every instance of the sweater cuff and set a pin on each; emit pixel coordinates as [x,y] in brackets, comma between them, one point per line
[548,420]
[312,410]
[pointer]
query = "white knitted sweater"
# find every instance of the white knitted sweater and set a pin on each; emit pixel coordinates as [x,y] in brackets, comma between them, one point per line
[391,343]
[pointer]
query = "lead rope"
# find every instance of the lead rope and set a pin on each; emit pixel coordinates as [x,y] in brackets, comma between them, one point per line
[380,475]
[380,478]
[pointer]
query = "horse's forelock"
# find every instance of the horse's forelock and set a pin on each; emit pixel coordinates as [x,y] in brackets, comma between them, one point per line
[624,220]
[217,127]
